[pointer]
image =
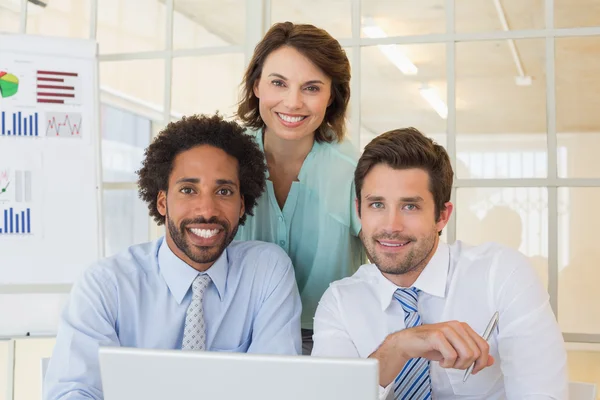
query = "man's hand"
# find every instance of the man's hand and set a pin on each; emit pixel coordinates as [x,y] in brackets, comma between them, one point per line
[453,344]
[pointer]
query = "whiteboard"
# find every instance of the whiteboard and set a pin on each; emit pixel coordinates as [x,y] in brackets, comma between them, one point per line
[50,175]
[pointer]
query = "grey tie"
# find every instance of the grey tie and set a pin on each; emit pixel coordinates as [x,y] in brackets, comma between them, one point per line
[194,333]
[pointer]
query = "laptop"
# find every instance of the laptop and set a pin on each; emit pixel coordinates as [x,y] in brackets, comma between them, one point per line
[129,373]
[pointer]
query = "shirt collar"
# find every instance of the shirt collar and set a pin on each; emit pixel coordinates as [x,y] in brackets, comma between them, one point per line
[432,279]
[179,275]
[260,134]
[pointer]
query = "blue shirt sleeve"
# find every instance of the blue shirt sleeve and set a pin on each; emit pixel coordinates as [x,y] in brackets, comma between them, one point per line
[276,328]
[88,322]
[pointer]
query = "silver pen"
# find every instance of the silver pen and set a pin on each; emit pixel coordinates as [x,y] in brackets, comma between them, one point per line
[486,335]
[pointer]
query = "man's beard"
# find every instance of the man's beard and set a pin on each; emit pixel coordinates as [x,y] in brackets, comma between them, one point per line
[200,254]
[413,260]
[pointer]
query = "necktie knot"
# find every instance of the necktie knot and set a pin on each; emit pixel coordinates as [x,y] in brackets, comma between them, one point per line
[408,298]
[200,284]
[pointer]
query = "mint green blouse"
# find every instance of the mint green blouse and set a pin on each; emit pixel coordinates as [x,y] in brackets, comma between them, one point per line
[318,226]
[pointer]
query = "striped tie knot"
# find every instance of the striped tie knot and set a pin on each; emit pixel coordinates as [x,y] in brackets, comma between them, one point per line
[408,299]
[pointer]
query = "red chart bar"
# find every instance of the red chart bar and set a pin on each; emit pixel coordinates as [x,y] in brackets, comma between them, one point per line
[51,79]
[51,101]
[57,73]
[55,87]
[56,94]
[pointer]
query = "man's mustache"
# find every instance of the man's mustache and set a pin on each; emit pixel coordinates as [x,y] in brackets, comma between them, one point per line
[201,220]
[394,236]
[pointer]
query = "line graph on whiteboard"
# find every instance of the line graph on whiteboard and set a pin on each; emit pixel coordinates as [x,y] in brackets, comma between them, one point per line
[60,124]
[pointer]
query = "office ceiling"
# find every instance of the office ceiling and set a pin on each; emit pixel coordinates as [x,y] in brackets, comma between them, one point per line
[488,98]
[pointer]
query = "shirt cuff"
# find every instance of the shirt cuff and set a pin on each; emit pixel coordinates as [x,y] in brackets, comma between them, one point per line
[384,392]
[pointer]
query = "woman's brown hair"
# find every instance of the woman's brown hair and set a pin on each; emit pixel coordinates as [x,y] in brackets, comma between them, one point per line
[323,51]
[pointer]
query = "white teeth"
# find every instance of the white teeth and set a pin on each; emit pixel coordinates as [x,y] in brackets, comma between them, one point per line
[287,118]
[205,233]
[393,244]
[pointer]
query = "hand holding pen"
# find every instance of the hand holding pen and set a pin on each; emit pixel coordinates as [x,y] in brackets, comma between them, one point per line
[453,344]
[486,335]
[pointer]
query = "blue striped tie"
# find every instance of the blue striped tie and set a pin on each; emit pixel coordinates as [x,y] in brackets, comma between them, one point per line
[413,382]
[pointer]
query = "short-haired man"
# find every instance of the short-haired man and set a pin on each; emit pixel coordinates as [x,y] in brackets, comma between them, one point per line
[422,305]
[194,289]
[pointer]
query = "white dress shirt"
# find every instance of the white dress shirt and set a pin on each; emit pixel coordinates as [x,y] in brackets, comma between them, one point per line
[466,284]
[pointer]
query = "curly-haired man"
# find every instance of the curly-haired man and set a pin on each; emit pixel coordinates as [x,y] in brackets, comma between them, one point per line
[193,289]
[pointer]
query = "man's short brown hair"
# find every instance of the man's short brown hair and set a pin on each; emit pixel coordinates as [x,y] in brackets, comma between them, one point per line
[404,149]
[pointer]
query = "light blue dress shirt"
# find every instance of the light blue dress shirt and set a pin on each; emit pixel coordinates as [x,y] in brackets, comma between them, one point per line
[318,226]
[139,299]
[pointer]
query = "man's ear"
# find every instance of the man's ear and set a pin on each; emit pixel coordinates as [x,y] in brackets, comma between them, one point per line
[444,216]
[243,207]
[161,203]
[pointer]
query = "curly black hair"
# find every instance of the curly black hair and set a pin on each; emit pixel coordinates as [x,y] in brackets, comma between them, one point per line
[193,131]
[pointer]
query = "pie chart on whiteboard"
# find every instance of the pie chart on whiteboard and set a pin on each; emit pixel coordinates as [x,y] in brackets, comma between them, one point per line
[9,84]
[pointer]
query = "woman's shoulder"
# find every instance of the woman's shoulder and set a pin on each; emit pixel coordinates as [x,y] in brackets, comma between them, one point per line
[344,152]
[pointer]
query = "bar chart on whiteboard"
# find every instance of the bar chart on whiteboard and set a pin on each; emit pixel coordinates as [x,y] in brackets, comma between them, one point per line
[44,108]
[50,165]
[38,101]
[19,123]
[58,87]
[17,202]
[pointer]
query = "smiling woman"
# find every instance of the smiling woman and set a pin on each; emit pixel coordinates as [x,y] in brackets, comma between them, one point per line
[295,95]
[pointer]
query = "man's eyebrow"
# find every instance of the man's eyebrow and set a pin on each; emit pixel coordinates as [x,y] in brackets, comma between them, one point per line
[371,197]
[414,199]
[188,180]
[226,182]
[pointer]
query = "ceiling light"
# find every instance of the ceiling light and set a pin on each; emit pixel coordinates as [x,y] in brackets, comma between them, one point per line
[391,51]
[434,100]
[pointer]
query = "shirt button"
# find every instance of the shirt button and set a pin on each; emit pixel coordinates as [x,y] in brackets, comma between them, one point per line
[280,218]
[282,242]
